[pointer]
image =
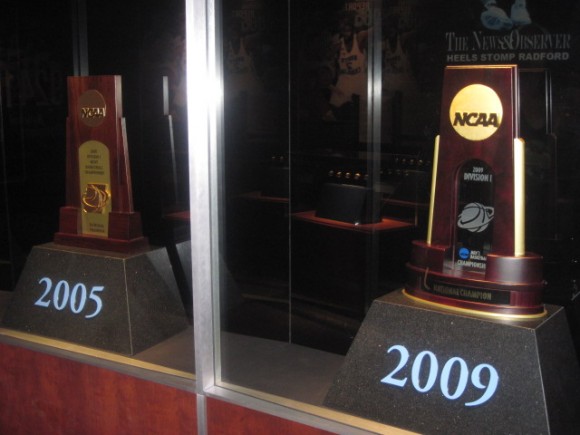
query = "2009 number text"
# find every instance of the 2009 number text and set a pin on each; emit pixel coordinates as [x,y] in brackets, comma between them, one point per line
[483,376]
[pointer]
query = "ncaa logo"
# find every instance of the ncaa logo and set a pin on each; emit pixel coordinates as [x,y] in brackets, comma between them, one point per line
[476,112]
[464,253]
[92,108]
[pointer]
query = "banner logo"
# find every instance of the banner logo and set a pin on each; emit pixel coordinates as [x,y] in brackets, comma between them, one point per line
[476,112]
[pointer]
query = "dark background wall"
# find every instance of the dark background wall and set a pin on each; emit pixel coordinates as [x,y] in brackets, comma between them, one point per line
[35,58]
[142,41]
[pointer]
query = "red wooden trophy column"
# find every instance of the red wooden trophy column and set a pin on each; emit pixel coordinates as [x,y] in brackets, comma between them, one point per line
[98,172]
[474,257]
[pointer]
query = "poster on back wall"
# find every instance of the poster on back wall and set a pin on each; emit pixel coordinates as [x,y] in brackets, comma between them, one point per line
[329,44]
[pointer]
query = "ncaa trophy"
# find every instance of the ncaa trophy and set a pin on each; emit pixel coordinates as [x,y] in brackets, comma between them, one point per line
[99,283]
[468,345]
[474,256]
[99,211]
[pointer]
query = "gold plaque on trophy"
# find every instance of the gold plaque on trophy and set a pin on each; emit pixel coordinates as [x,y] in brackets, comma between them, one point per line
[95,182]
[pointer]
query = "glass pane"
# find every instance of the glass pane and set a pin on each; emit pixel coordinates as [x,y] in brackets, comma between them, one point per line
[144,43]
[86,296]
[331,114]
[321,204]
[256,169]
[33,110]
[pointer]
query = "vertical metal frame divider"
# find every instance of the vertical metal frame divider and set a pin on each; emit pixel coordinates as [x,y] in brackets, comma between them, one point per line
[205,125]
[200,63]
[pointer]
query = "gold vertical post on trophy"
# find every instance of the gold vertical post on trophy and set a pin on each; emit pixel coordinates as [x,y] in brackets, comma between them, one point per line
[433,187]
[519,198]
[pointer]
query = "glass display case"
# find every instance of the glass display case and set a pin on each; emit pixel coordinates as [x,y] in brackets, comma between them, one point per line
[321,164]
[282,157]
[81,303]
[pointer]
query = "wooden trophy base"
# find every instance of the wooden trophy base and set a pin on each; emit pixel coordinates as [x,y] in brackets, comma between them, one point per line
[509,287]
[124,232]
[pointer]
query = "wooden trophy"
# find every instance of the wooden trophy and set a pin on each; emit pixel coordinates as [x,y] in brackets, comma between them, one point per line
[99,284]
[474,257]
[468,345]
[99,206]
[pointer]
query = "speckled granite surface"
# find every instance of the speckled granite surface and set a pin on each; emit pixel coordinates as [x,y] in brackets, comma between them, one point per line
[117,302]
[538,383]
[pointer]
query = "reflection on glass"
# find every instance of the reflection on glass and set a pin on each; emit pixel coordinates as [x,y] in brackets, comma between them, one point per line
[326,179]
[318,219]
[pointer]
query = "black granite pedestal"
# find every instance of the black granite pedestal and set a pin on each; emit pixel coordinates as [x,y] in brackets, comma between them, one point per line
[180,258]
[183,250]
[122,303]
[433,371]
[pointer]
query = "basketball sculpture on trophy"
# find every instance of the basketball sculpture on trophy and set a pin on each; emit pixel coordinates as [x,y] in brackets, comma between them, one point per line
[474,257]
